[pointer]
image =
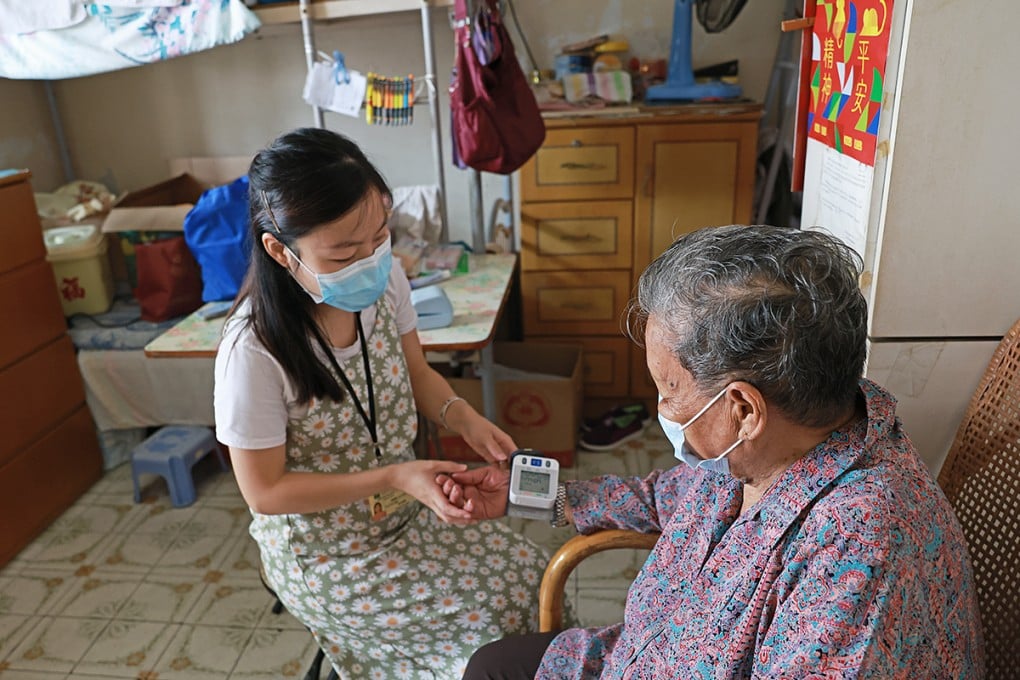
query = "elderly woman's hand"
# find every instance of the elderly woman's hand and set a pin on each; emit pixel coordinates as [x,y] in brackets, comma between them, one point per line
[482,491]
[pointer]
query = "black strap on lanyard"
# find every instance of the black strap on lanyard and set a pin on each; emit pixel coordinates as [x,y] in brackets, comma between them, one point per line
[370,417]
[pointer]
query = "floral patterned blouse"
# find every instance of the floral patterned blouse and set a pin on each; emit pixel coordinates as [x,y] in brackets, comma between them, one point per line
[852,565]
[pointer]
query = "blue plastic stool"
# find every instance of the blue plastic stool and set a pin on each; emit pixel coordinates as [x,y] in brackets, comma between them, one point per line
[170,453]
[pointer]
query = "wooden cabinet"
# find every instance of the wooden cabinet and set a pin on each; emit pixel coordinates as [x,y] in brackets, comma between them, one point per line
[49,454]
[604,197]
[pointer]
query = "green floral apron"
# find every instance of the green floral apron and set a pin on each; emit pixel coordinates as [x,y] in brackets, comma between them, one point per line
[396,596]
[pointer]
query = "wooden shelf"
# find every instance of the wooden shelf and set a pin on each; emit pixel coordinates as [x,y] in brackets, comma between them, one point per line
[340,9]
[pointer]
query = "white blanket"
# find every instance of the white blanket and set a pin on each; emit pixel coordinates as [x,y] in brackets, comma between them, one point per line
[112,36]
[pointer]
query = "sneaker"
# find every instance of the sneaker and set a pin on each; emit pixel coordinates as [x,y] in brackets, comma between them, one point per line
[589,424]
[618,426]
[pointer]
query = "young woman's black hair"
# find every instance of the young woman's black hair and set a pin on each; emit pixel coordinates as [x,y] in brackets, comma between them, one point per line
[306,178]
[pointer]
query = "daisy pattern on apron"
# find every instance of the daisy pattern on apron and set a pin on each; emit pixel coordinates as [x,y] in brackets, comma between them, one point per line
[399,594]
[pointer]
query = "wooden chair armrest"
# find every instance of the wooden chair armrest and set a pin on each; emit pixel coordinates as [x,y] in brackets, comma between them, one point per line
[570,554]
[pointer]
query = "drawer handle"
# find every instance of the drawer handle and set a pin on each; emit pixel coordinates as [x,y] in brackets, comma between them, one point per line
[578,239]
[582,166]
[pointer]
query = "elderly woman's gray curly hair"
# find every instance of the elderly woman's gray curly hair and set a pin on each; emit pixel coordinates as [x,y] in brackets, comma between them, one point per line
[778,308]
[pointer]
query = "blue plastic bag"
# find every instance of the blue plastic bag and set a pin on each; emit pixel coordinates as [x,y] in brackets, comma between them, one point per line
[216,231]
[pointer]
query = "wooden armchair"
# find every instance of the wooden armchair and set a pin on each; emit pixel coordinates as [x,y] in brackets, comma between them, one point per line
[570,554]
[981,479]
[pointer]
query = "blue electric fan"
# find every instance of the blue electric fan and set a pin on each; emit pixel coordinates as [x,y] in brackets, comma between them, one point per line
[714,15]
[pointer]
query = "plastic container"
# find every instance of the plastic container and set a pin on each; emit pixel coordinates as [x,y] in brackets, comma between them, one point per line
[81,267]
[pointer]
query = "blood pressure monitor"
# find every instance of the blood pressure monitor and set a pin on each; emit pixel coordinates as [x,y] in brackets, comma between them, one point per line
[534,483]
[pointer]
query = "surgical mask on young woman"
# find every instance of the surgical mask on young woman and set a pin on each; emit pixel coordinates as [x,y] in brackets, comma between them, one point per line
[675,434]
[356,286]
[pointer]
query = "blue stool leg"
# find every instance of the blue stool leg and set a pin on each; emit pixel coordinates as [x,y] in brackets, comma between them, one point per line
[134,479]
[182,488]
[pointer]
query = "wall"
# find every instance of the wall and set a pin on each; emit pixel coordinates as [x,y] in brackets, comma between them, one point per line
[123,126]
[27,139]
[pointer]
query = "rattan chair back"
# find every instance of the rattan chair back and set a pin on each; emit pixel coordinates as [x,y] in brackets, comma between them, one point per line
[981,479]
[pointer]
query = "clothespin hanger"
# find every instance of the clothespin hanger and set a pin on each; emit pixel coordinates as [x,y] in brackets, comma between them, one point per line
[340,68]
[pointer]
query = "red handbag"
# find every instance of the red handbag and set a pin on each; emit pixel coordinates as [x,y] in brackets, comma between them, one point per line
[169,280]
[496,124]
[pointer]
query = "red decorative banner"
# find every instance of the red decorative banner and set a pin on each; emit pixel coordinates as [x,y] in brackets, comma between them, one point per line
[848,55]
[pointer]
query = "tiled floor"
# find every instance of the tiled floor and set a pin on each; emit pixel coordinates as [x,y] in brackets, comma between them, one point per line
[118,590]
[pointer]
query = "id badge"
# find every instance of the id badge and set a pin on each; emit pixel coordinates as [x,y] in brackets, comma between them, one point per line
[384,504]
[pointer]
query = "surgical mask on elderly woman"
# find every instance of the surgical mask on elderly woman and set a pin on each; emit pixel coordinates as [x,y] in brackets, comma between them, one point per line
[675,434]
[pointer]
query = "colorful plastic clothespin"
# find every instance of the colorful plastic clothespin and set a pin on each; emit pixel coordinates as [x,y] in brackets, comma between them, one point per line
[340,68]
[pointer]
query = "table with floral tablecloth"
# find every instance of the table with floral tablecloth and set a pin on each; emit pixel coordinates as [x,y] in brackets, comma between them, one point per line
[477,298]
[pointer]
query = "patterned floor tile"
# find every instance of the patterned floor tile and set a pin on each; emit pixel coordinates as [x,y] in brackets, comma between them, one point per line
[125,649]
[164,598]
[202,653]
[97,594]
[160,517]
[242,560]
[15,674]
[193,553]
[221,516]
[231,603]
[115,481]
[35,592]
[56,644]
[281,621]
[68,551]
[133,553]
[13,629]
[273,654]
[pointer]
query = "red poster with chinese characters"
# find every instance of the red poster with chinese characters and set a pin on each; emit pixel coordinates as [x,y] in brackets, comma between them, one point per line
[848,55]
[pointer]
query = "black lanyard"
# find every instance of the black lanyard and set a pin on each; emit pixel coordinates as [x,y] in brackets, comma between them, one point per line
[368,418]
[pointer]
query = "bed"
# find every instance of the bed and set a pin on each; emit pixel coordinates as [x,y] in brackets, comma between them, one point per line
[53,39]
[129,393]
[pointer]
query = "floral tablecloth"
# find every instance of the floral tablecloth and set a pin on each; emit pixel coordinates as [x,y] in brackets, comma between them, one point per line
[477,298]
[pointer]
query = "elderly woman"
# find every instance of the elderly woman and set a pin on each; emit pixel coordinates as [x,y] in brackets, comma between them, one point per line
[802,536]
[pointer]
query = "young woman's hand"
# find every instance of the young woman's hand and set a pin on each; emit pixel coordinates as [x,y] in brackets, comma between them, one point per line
[420,479]
[487,440]
[482,491]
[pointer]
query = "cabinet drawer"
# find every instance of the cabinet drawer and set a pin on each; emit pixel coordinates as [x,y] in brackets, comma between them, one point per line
[45,479]
[29,309]
[606,364]
[19,226]
[589,235]
[581,163]
[43,388]
[568,303]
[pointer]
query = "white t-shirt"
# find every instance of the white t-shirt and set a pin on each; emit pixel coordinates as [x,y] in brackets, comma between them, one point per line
[253,397]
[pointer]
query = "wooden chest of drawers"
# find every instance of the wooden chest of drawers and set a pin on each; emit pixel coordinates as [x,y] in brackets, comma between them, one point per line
[601,199]
[49,454]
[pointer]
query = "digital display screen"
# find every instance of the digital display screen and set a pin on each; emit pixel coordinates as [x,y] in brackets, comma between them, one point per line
[535,482]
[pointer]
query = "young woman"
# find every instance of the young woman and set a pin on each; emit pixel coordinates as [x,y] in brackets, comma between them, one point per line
[319,376]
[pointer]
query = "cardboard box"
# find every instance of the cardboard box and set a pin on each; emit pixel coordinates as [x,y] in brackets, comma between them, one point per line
[541,413]
[146,215]
[211,170]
